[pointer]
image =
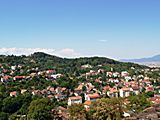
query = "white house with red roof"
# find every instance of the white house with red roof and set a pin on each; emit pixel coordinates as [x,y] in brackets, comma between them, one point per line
[149,88]
[18,77]
[109,74]
[23,91]
[87,104]
[92,97]
[55,76]
[113,93]
[50,71]
[13,94]
[124,92]
[36,92]
[74,100]
[135,90]
[60,96]
[155,99]
[124,73]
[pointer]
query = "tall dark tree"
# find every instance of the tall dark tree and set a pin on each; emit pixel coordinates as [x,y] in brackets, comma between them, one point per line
[40,110]
[77,112]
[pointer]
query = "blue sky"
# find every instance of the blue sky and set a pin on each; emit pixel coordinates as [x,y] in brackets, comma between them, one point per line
[112,28]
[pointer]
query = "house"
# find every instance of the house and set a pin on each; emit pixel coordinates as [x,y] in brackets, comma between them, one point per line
[33,74]
[148,83]
[63,89]
[36,92]
[114,80]
[60,96]
[87,104]
[78,91]
[58,90]
[89,90]
[86,66]
[128,78]
[124,73]
[150,88]
[124,92]
[50,71]
[116,74]
[50,90]
[18,77]
[23,91]
[109,74]
[5,78]
[105,89]
[44,92]
[92,97]
[56,76]
[51,97]
[135,90]
[62,113]
[100,70]
[155,100]
[13,94]
[13,67]
[113,93]
[61,109]
[98,81]
[74,100]
[40,73]
[146,78]
[80,86]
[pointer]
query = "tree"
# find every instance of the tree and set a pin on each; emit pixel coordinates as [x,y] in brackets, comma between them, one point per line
[3,116]
[27,98]
[84,88]
[83,97]
[138,103]
[40,110]
[77,112]
[12,104]
[107,109]
[149,94]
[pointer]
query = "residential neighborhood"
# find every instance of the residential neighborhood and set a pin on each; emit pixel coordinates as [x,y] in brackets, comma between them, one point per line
[96,83]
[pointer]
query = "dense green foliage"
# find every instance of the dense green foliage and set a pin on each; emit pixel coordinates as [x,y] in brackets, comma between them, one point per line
[40,109]
[77,112]
[45,61]
[109,108]
[138,103]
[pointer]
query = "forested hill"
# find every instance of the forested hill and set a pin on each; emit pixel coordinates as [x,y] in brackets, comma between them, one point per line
[46,61]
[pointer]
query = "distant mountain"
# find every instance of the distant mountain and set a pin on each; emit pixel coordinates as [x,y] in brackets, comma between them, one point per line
[154,59]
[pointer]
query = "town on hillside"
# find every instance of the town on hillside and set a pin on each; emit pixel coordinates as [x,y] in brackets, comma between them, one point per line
[84,93]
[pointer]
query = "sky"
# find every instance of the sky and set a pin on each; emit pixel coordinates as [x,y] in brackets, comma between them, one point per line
[72,28]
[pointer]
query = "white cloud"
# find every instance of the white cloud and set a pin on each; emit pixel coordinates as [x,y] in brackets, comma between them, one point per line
[102,40]
[67,52]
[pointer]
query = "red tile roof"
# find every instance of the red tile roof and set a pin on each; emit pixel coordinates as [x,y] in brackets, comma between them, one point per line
[63,89]
[75,98]
[125,89]
[95,95]
[113,91]
[14,93]
[19,77]
[135,88]
[50,96]
[51,71]
[52,89]
[87,102]
[106,87]
[155,100]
